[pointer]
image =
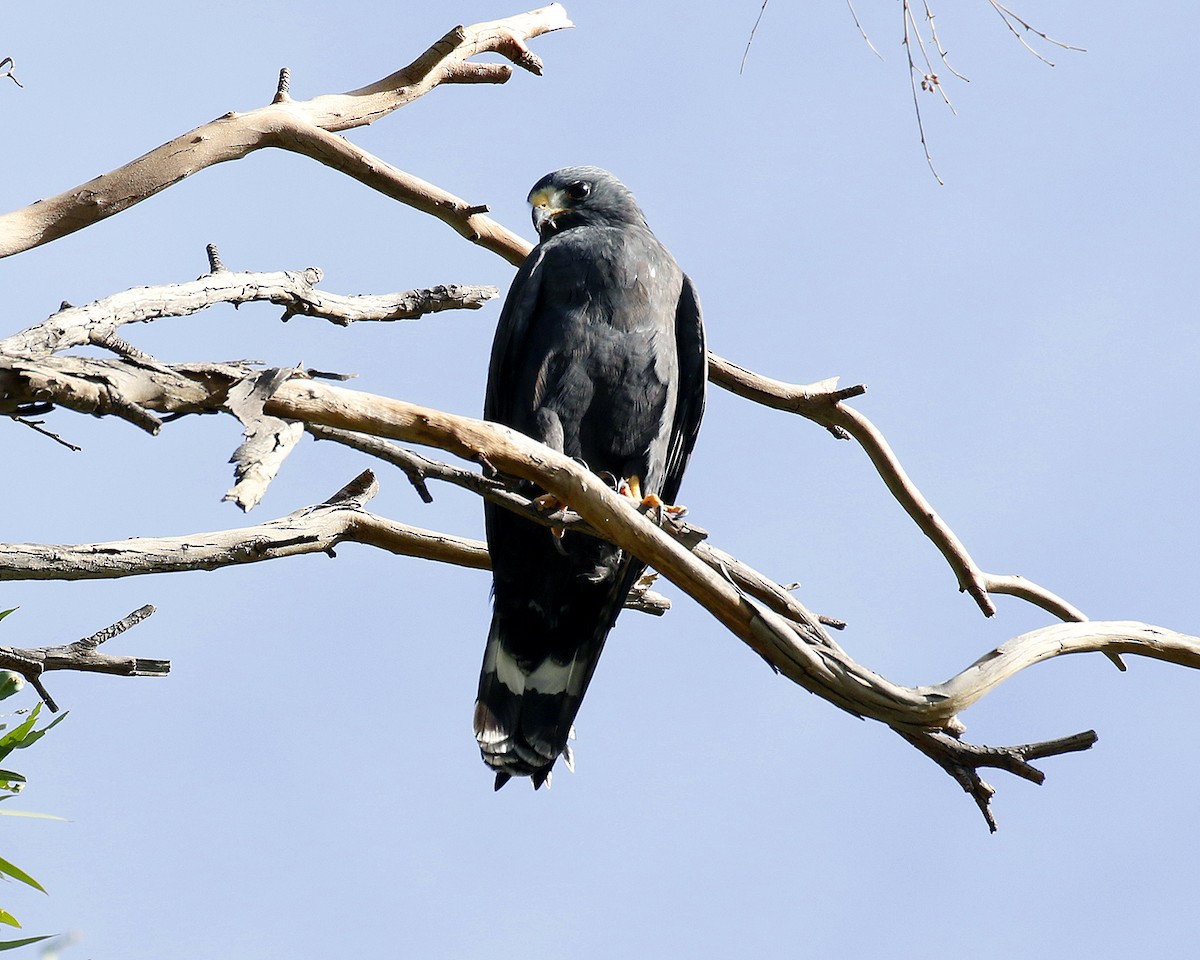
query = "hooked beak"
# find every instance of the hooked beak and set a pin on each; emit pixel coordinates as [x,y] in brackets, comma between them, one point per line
[548,204]
[544,217]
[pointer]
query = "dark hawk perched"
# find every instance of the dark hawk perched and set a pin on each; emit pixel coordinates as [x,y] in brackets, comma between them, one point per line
[600,354]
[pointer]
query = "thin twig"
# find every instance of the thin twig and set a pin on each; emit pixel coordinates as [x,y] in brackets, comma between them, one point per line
[938,44]
[862,32]
[1008,16]
[753,31]
[912,79]
[36,425]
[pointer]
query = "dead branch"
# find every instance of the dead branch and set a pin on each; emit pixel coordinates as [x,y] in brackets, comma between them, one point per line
[137,387]
[419,469]
[82,655]
[318,528]
[313,529]
[268,440]
[822,403]
[806,655]
[926,716]
[783,632]
[797,647]
[310,127]
[963,761]
[294,290]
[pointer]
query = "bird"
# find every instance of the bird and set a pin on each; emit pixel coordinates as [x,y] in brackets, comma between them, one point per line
[600,354]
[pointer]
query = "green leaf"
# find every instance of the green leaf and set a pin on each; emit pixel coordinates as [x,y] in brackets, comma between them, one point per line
[11,740]
[31,738]
[11,683]
[29,813]
[12,776]
[17,873]
[13,944]
[5,613]
[24,735]
[6,917]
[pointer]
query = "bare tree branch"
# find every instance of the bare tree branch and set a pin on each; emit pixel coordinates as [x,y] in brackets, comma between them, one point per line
[926,716]
[926,80]
[861,31]
[929,80]
[419,469]
[821,403]
[268,441]
[309,127]
[963,761]
[798,649]
[783,633]
[805,654]
[319,528]
[139,389]
[82,655]
[294,290]
[313,529]
[1010,18]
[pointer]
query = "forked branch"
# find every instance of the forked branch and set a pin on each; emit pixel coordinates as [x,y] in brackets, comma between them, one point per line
[310,127]
[82,655]
[822,403]
[804,654]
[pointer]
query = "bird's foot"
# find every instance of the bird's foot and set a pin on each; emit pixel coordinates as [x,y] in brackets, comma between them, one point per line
[672,511]
[548,503]
[630,487]
[651,502]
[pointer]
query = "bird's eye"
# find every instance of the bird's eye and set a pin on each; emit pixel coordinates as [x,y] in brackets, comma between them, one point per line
[578,190]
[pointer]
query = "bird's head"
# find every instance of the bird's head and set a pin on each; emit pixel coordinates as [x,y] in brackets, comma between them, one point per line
[575,196]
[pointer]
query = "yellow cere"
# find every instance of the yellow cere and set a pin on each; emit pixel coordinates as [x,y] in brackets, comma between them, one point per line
[548,197]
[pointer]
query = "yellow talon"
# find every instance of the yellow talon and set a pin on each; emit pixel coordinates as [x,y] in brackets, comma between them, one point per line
[548,503]
[632,488]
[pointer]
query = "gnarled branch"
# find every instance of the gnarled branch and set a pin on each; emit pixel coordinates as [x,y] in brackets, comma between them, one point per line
[783,633]
[310,127]
[822,403]
[802,653]
[294,290]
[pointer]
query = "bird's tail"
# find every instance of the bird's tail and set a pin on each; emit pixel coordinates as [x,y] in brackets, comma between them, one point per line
[526,707]
[524,713]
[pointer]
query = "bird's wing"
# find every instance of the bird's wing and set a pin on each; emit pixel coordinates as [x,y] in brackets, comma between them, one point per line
[511,330]
[692,354]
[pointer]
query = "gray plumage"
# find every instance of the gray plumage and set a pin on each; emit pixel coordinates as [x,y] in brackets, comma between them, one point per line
[600,354]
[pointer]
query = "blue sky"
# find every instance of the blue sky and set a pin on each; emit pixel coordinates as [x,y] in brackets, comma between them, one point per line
[305,784]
